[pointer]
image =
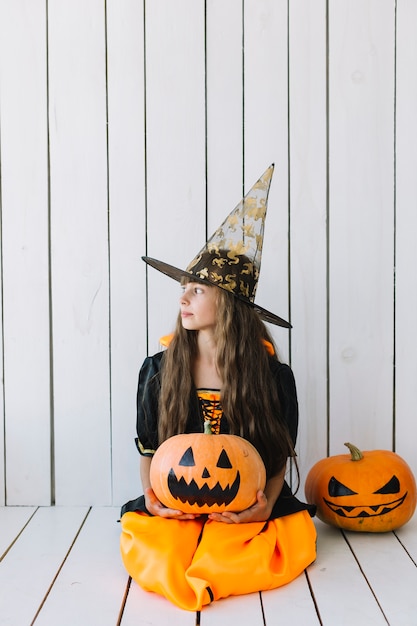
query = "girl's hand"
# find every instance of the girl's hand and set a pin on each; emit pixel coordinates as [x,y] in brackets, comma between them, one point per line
[156,507]
[259,512]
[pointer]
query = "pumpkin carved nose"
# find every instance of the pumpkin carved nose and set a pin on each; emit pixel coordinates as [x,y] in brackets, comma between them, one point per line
[206,473]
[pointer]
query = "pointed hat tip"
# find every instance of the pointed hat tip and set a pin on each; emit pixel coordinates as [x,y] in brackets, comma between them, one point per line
[269,172]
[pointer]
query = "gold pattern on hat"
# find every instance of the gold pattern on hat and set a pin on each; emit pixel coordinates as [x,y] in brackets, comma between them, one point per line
[231,258]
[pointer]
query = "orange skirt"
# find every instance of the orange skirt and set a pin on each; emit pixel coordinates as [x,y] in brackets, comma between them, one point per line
[194,562]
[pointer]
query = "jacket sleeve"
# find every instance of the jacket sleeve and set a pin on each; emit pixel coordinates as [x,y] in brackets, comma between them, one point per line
[287,393]
[147,399]
[287,503]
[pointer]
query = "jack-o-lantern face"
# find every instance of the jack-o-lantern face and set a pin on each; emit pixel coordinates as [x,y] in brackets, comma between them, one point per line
[200,473]
[201,493]
[380,502]
[373,491]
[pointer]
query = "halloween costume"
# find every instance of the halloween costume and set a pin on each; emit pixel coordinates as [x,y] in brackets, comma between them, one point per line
[193,562]
[196,561]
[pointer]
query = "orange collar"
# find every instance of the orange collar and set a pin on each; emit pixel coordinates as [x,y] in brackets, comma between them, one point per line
[166,340]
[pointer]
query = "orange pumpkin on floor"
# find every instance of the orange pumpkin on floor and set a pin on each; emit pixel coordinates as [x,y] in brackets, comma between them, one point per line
[205,473]
[373,491]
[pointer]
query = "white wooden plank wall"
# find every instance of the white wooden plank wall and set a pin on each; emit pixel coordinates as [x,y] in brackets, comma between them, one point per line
[132,126]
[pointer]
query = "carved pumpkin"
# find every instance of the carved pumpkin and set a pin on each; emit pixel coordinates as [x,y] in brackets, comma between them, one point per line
[204,473]
[373,491]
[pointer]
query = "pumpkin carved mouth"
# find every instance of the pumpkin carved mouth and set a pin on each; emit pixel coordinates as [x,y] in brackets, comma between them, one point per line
[363,510]
[192,494]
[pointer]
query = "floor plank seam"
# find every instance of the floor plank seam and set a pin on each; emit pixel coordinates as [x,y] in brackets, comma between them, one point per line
[364,575]
[18,535]
[404,548]
[124,600]
[262,608]
[107,594]
[313,597]
[48,591]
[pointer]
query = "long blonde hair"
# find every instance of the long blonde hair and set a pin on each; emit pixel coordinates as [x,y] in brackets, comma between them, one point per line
[249,397]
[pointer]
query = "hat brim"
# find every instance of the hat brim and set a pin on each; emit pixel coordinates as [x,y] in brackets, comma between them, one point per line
[177,274]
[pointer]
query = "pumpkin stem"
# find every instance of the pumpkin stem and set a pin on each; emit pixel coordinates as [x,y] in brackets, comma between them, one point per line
[207,428]
[355,453]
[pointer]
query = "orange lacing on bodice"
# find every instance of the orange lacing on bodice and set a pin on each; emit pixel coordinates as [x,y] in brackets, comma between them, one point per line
[211,408]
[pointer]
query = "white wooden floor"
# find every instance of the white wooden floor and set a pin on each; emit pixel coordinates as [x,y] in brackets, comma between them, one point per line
[62,566]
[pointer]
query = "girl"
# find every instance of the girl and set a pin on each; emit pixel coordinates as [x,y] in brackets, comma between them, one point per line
[220,365]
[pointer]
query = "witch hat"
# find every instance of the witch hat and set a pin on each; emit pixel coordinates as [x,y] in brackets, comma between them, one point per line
[231,258]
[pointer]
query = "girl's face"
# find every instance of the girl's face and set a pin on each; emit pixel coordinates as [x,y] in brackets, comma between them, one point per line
[198,306]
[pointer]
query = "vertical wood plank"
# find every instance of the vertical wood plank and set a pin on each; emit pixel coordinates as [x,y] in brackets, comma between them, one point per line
[175,149]
[406,231]
[266,142]
[308,155]
[224,104]
[80,276]
[2,413]
[24,180]
[361,92]
[127,233]
[2,416]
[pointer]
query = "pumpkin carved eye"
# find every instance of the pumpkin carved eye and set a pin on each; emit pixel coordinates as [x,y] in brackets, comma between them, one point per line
[187,459]
[392,486]
[336,488]
[224,461]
